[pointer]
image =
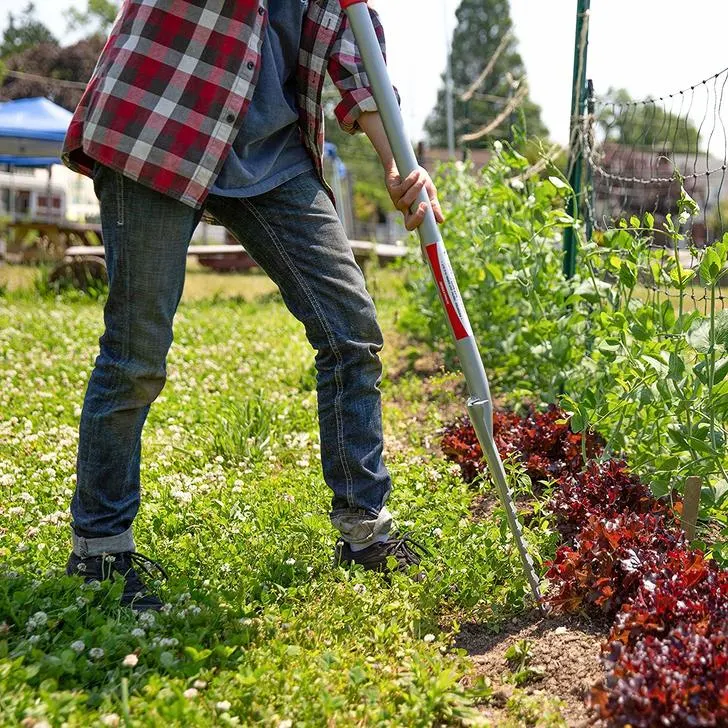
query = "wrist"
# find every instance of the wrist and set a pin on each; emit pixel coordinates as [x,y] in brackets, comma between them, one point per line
[390,166]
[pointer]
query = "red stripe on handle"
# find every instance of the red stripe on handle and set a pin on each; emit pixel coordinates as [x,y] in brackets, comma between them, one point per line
[345,3]
[452,314]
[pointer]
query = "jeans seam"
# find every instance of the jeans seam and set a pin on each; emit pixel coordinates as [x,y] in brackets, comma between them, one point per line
[332,343]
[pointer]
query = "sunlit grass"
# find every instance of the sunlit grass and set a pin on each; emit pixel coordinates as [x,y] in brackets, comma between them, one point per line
[261,629]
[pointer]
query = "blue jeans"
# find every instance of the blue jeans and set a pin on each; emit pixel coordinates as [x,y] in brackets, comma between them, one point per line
[294,234]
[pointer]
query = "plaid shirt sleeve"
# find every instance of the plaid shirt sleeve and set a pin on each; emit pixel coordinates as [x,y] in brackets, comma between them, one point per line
[346,69]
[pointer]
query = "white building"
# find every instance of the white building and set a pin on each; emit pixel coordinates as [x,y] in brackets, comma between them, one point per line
[25,194]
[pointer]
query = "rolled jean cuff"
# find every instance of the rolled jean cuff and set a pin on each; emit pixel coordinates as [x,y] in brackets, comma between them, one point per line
[84,547]
[361,527]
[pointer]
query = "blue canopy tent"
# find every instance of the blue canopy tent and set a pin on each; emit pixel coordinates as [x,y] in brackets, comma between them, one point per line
[32,132]
[31,135]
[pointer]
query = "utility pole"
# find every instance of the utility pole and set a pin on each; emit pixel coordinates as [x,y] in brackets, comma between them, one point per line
[449,85]
[578,102]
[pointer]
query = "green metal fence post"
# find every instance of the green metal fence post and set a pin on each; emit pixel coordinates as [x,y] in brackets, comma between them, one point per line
[578,100]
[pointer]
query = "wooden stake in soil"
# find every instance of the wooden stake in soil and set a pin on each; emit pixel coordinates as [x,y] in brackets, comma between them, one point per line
[691,502]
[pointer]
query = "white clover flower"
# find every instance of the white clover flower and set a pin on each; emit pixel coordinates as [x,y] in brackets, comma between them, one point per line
[199,684]
[78,646]
[223,706]
[429,638]
[498,146]
[130,660]
[437,532]
[359,588]
[290,562]
[190,693]
[287,723]
[138,632]
[147,619]
[96,653]
[39,619]
[517,183]
[111,719]
[34,639]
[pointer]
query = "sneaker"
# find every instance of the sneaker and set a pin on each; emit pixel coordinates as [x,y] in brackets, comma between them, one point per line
[376,557]
[99,568]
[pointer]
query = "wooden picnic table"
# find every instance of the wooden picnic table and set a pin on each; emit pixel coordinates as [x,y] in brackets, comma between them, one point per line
[363,252]
[55,237]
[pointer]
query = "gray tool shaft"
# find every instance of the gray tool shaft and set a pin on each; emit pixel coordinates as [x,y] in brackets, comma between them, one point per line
[480,407]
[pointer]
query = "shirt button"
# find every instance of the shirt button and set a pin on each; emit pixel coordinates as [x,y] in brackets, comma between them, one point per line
[251,65]
[230,118]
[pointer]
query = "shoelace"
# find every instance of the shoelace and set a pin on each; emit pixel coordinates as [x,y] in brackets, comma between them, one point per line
[147,565]
[143,563]
[406,543]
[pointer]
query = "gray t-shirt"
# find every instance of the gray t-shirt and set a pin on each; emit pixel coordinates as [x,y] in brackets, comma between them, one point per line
[268,150]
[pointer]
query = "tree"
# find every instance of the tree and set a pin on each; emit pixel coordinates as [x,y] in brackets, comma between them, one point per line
[483,38]
[645,125]
[24,31]
[46,69]
[99,16]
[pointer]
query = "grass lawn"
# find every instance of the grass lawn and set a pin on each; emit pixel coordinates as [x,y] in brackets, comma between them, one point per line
[16,277]
[259,627]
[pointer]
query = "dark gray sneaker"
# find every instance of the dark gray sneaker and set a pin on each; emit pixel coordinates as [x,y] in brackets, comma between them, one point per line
[99,568]
[404,551]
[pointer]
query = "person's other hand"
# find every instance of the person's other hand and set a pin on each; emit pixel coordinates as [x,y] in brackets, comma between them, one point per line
[404,193]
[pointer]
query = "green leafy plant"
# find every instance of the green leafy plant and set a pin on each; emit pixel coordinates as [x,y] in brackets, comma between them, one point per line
[623,346]
[503,232]
[519,656]
[242,430]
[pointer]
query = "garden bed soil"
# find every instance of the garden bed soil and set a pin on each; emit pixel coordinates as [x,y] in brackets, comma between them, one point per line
[567,648]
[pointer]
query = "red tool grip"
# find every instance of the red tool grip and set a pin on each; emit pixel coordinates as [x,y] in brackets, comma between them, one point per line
[345,3]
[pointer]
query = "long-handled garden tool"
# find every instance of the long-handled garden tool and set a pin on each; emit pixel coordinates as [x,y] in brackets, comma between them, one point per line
[480,407]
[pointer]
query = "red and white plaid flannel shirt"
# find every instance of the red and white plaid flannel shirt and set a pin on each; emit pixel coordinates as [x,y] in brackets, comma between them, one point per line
[171,88]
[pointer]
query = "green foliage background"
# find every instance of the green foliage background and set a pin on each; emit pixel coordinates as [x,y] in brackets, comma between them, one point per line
[646,370]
